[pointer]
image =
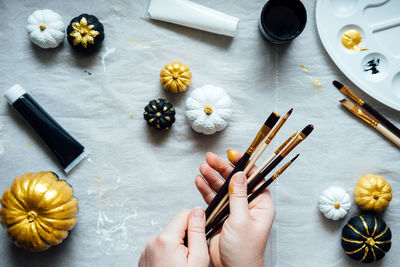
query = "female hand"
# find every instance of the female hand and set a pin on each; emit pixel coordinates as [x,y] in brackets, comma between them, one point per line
[244,235]
[167,248]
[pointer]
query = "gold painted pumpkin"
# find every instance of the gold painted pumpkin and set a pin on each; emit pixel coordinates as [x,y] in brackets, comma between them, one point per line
[175,77]
[372,193]
[38,210]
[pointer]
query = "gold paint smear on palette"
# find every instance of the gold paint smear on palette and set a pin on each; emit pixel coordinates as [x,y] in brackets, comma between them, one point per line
[351,39]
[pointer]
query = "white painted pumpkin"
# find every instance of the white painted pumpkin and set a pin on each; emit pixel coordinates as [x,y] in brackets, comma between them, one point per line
[334,203]
[208,109]
[45,28]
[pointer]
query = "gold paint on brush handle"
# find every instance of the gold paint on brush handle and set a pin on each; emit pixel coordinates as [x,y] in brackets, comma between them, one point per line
[352,95]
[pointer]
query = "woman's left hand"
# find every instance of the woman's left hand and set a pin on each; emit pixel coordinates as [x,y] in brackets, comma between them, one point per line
[168,249]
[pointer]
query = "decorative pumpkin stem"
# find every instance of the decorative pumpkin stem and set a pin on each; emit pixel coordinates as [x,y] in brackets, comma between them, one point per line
[31,216]
[370,241]
[208,109]
[336,205]
[42,27]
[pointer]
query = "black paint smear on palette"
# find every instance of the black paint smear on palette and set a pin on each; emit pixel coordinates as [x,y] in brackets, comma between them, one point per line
[88,72]
[372,65]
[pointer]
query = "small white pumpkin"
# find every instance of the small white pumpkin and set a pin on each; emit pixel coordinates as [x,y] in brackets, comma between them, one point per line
[208,109]
[334,203]
[45,28]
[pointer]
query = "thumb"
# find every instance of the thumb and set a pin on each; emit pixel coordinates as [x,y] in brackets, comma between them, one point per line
[238,205]
[197,243]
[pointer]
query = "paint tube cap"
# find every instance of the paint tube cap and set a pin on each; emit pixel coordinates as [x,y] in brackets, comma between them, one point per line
[15,92]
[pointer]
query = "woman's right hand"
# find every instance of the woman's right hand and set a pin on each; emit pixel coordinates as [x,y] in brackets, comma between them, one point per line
[244,235]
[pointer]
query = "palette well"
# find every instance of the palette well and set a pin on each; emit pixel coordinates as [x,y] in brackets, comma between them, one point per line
[373,63]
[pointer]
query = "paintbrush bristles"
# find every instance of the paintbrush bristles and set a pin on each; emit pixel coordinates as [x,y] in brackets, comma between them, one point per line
[278,127]
[308,129]
[263,132]
[348,92]
[337,84]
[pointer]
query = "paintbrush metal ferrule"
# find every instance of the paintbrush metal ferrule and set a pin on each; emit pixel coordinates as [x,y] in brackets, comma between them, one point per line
[348,92]
[299,138]
[359,113]
[284,144]
[263,132]
[281,170]
[278,127]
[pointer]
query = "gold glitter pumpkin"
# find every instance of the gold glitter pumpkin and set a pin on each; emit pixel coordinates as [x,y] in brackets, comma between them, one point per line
[372,193]
[175,77]
[38,210]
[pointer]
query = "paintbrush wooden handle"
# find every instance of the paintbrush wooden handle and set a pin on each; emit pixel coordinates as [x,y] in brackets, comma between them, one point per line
[388,134]
[224,188]
[382,119]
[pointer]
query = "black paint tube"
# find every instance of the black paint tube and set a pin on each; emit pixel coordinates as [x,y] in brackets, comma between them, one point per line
[67,150]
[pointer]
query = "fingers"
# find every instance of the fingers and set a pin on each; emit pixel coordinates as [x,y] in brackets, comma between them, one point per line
[213,179]
[175,230]
[197,243]
[204,189]
[238,205]
[218,164]
[234,156]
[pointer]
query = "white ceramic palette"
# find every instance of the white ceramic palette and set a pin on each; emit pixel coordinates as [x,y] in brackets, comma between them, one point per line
[376,70]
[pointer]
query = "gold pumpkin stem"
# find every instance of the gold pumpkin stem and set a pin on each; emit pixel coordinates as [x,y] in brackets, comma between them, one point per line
[208,109]
[42,26]
[336,205]
[370,241]
[31,216]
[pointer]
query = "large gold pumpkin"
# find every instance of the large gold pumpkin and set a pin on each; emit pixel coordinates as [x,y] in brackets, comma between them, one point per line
[38,210]
[372,193]
[175,77]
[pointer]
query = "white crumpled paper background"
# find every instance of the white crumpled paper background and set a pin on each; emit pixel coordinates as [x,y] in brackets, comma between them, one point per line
[136,179]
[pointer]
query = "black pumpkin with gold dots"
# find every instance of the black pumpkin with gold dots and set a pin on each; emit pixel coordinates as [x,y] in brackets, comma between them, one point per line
[366,238]
[85,33]
[159,114]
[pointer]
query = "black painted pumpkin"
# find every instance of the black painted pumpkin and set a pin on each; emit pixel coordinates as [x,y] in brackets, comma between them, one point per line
[159,114]
[85,33]
[366,238]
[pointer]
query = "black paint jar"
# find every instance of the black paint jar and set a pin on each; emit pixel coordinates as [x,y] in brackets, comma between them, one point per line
[282,20]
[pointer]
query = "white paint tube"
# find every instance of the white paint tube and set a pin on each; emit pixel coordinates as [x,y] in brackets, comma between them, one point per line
[192,15]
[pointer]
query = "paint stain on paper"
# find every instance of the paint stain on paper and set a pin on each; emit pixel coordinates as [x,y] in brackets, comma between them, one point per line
[317,84]
[138,44]
[3,148]
[303,68]
[106,54]
[113,235]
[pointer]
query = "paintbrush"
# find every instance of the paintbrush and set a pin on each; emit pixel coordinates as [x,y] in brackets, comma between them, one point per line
[371,121]
[252,162]
[262,133]
[212,223]
[368,108]
[298,139]
[225,212]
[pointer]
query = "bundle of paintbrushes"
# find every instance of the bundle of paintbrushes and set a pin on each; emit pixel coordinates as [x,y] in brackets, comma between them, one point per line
[218,210]
[373,117]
